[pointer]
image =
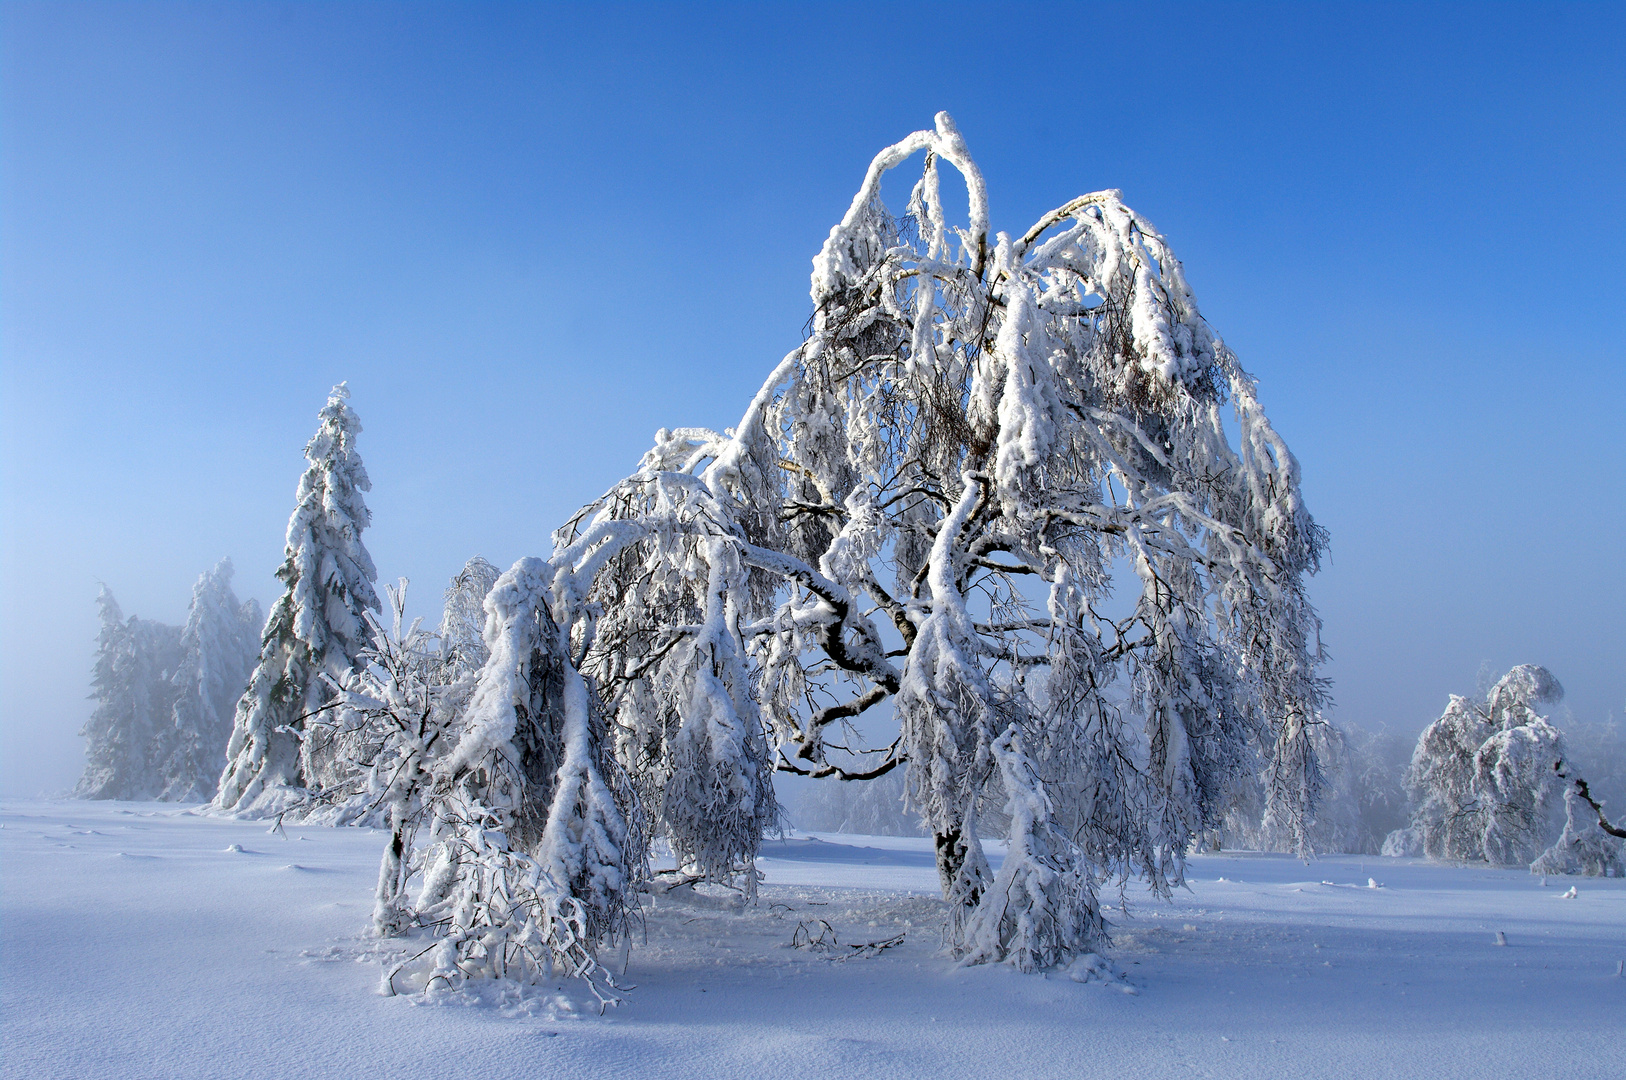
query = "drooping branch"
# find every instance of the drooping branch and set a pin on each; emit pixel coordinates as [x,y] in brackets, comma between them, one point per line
[1584,793]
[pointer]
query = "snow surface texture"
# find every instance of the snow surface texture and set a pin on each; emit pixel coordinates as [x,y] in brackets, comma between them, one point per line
[146,942]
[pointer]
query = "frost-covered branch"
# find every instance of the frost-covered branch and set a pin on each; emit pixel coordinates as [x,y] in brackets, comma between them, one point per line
[1584,793]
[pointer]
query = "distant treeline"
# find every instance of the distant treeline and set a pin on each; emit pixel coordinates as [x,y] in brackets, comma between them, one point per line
[165,695]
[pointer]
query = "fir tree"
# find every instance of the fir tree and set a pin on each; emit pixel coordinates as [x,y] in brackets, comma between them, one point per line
[217,652]
[130,685]
[278,748]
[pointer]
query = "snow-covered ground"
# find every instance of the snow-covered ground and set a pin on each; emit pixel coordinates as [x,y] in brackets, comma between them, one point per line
[141,941]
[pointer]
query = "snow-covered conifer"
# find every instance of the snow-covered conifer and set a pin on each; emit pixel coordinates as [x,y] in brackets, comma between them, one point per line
[1483,775]
[127,732]
[316,628]
[218,646]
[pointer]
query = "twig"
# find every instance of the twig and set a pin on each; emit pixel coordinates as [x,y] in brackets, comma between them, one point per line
[870,949]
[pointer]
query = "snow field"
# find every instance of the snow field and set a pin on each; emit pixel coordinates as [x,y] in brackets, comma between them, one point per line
[142,941]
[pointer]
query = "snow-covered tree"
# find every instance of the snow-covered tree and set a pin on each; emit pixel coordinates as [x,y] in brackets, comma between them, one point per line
[218,646]
[1363,798]
[1483,775]
[463,620]
[397,715]
[316,628]
[979,436]
[127,732]
[404,681]
[1590,844]
[530,855]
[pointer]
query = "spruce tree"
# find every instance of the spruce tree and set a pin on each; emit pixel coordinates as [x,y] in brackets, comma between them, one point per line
[279,748]
[130,685]
[218,647]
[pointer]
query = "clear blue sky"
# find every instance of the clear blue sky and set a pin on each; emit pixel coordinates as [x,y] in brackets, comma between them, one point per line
[529,236]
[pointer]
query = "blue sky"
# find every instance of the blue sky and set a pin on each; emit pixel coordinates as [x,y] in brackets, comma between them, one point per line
[529,236]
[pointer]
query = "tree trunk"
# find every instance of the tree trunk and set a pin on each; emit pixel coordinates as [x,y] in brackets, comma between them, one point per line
[951,855]
[388,914]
